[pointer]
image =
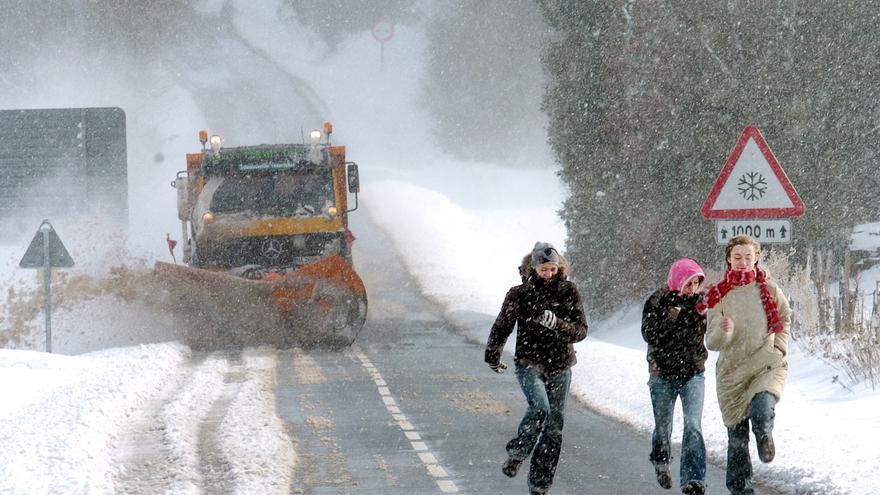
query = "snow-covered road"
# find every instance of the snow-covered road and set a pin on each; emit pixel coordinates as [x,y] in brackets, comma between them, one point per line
[141,420]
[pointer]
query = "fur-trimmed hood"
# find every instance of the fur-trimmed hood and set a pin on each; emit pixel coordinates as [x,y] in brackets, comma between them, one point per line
[526,271]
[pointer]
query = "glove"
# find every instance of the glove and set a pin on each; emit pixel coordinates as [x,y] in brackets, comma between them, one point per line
[548,319]
[498,367]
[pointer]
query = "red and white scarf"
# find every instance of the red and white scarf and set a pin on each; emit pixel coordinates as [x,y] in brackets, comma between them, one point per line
[733,278]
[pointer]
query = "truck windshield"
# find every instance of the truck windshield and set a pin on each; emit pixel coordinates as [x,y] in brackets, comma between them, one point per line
[302,193]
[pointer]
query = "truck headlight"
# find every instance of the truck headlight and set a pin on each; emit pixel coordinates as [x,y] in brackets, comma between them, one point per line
[332,211]
[216,143]
[315,136]
[208,217]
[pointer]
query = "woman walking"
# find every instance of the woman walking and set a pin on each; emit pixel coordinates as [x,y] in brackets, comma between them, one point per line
[748,323]
[549,317]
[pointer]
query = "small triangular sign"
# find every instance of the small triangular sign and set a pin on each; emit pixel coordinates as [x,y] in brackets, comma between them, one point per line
[58,255]
[752,184]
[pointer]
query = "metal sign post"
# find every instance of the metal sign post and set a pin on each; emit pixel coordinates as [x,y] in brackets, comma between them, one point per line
[383,31]
[46,251]
[47,284]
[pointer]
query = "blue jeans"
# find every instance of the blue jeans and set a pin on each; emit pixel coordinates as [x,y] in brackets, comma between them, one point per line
[762,411]
[664,391]
[540,431]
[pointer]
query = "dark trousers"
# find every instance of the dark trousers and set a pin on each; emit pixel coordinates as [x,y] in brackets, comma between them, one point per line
[762,411]
[540,431]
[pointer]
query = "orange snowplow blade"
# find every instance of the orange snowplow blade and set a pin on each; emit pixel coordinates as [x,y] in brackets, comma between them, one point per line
[320,303]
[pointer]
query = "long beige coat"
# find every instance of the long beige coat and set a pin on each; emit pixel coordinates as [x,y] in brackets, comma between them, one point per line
[750,359]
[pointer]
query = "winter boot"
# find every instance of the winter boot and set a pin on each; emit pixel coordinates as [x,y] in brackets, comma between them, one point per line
[766,448]
[664,479]
[693,487]
[511,467]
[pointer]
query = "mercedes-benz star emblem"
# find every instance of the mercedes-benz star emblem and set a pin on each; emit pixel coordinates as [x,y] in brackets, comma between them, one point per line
[271,248]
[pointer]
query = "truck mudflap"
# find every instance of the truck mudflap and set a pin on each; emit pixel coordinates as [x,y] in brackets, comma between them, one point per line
[322,303]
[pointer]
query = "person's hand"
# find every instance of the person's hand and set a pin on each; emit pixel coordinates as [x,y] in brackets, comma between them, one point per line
[498,367]
[726,325]
[547,319]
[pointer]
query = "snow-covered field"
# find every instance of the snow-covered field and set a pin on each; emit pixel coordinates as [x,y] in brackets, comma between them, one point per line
[460,227]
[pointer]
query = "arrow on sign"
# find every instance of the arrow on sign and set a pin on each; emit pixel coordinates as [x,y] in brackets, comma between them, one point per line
[763,231]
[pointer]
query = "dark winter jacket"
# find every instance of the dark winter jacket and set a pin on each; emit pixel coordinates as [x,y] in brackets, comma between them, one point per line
[674,331]
[549,351]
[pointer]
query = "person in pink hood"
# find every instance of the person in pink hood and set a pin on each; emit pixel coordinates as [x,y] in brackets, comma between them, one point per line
[674,331]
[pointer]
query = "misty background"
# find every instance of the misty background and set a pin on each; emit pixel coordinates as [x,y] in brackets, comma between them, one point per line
[635,104]
[177,67]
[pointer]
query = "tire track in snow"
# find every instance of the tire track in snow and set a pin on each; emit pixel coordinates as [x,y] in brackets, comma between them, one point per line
[156,452]
[212,463]
[213,429]
[140,451]
[252,436]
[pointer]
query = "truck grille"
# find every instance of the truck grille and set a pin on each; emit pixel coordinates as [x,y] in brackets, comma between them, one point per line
[269,251]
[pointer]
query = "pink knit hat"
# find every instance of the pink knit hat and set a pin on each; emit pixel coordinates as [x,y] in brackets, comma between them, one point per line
[681,272]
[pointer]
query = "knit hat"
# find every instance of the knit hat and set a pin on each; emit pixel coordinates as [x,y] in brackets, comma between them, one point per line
[544,252]
[681,272]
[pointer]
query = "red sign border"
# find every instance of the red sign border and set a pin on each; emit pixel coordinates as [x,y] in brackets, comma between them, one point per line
[385,39]
[708,211]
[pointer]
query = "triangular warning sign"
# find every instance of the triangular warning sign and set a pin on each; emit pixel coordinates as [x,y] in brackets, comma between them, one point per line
[752,184]
[34,257]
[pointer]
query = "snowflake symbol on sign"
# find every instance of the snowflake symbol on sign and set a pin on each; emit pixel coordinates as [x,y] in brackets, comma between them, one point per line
[752,186]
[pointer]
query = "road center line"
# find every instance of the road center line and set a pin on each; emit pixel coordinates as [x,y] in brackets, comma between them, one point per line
[435,470]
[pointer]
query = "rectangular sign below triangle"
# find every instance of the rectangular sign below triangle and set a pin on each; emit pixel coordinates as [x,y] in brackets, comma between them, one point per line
[58,255]
[752,184]
[775,231]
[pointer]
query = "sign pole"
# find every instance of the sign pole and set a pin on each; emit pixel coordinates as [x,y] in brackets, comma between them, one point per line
[383,31]
[46,251]
[47,285]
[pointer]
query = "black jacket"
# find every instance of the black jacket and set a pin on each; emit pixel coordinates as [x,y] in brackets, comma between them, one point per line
[674,331]
[549,351]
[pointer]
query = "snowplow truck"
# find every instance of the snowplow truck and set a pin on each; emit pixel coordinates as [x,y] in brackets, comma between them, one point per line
[266,245]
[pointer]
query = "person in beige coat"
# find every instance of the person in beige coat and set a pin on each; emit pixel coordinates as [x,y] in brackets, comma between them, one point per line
[748,323]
